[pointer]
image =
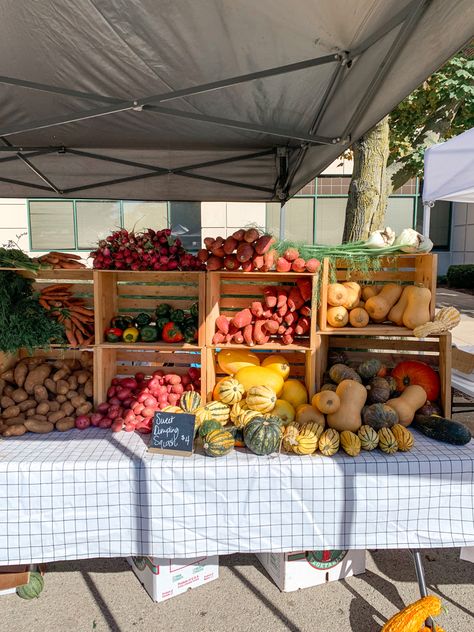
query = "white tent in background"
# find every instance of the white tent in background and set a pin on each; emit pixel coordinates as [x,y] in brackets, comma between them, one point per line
[449,173]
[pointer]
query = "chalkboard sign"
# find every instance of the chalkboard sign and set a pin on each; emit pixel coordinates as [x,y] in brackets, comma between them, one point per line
[172,433]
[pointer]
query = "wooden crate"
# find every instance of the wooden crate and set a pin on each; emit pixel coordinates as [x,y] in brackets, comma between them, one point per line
[126,292]
[229,292]
[435,351]
[303,367]
[117,361]
[404,269]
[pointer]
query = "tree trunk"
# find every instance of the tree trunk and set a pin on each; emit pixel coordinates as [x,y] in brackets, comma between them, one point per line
[369,187]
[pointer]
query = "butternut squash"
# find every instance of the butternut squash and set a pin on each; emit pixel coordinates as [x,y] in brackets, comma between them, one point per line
[379,306]
[352,396]
[395,315]
[309,414]
[370,290]
[358,317]
[337,294]
[326,401]
[337,316]
[412,398]
[417,310]
[353,294]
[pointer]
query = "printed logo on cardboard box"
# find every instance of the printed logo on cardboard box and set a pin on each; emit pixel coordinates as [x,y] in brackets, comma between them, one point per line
[324,560]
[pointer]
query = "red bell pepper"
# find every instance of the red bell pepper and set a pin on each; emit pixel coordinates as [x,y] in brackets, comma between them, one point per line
[171,333]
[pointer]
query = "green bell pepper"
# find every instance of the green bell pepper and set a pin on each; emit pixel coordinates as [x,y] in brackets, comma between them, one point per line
[195,310]
[141,320]
[149,333]
[177,315]
[163,311]
[121,322]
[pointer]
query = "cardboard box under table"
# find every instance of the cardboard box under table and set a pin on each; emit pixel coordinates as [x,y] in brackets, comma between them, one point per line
[166,578]
[292,571]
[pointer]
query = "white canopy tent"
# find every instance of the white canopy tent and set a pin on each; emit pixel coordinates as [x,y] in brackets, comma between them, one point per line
[449,173]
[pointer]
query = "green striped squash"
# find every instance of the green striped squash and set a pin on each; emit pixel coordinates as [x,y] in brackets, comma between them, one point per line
[230,391]
[329,442]
[244,418]
[263,436]
[207,426]
[218,443]
[33,588]
[190,401]
[369,439]
[387,441]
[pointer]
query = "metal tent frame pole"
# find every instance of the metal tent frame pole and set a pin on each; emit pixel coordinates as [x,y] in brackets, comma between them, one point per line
[420,576]
[427,206]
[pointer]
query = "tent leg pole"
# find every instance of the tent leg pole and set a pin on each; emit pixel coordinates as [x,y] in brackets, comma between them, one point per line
[426,219]
[420,576]
[282,221]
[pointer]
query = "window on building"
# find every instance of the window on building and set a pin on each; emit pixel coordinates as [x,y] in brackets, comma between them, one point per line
[52,225]
[400,212]
[299,219]
[95,220]
[140,215]
[440,223]
[185,222]
[330,217]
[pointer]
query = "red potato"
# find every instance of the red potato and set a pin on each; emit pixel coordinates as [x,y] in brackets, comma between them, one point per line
[111,391]
[172,378]
[215,263]
[129,382]
[264,243]
[106,423]
[242,318]
[222,324]
[270,295]
[283,265]
[96,418]
[298,265]
[83,421]
[148,412]
[117,425]
[245,252]
[103,408]
[251,235]
[230,245]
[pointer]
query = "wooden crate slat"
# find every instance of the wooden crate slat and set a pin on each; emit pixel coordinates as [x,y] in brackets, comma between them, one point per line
[410,344]
[386,276]
[179,292]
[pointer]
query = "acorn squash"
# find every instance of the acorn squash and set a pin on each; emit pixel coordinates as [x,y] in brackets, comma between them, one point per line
[263,436]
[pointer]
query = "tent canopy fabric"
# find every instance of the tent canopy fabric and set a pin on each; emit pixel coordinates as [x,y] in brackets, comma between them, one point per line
[449,170]
[208,100]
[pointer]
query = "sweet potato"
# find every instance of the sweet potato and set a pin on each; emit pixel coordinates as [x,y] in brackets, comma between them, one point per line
[19,374]
[67,423]
[305,287]
[40,427]
[257,309]
[203,255]
[295,300]
[305,310]
[11,411]
[50,385]
[287,339]
[283,265]
[42,408]
[15,431]
[218,242]
[302,326]
[282,310]
[19,395]
[27,405]
[267,313]
[228,338]
[89,388]
[62,387]
[282,297]
[271,327]
[248,335]
[245,252]
[218,251]
[258,262]
[239,338]
[36,376]
[277,318]
[242,318]
[281,330]
[264,243]
[270,295]
[230,244]
[222,324]
[259,335]
[40,393]
[268,260]
[218,338]
[251,235]
[54,417]
[6,402]
[290,318]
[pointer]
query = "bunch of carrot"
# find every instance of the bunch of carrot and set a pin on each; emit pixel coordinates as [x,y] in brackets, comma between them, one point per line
[284,313]
[70,311]
[61,260]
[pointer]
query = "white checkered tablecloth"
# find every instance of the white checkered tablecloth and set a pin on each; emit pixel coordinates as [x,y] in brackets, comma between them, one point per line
[97,494]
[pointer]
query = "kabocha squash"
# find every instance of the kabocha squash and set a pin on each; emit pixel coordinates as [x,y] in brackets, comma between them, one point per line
[378,390]
[244,418]
[309,414]
[329,442]
[403,437]
[406,405]
[207,426]
[218,443]
[285,411]
[392,383]
[358,317]
[417,310]
[33,588]
[369,438]
[337,316]
[230,391]
[294,392]
[232,360]
[261,398]
[251,376]
[326,402]
[190,401]
[369,368]
[442,429]
[353,294]
[411,372]
[379,306]
[337,294]
[350,443]
[340,372]
[278,363]
[387,441]
[352,396]
[263,436]
[413,617]
[379,416]
[395,315]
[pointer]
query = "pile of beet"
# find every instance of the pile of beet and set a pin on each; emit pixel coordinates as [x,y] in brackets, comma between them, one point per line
[284,313]
[245,249]
[132,401]
[148,250]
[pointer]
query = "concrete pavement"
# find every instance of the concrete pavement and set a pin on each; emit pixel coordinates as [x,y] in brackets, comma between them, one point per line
[463,334]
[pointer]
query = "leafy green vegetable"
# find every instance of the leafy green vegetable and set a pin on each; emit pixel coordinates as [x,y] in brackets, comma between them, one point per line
[23,322]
